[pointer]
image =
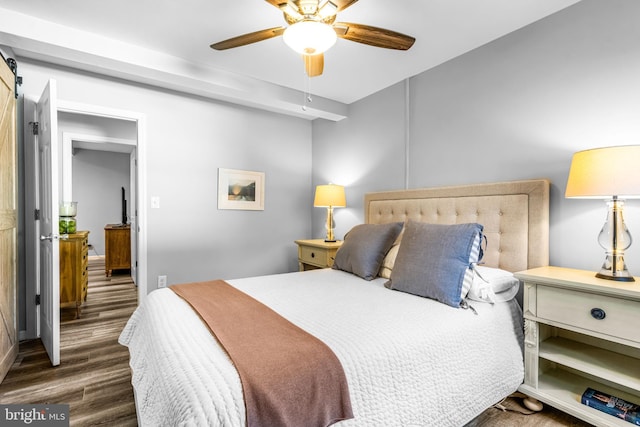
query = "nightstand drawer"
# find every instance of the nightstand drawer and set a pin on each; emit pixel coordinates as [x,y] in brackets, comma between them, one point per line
[620,317]
[316,253]
[313,256]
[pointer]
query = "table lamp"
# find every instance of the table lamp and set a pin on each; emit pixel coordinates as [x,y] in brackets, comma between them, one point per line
[330,196]
[613,174]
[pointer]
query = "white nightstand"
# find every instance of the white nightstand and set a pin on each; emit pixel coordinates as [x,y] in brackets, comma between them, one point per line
[316,253]
[580,332]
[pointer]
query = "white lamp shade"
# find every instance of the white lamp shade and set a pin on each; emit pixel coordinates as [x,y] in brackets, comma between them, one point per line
[330,195]
[605,172]
[309,37]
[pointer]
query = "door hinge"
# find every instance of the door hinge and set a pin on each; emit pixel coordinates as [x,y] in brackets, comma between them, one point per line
[36,214]
[13,65]
[34,127]
[38,299]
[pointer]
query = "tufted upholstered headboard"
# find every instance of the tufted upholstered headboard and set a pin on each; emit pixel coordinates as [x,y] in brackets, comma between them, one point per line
[515,216]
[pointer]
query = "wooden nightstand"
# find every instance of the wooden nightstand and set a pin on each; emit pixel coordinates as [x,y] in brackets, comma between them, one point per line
[316,253]
[580,332]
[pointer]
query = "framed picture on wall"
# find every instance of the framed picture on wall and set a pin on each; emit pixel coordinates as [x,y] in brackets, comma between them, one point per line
[238,189]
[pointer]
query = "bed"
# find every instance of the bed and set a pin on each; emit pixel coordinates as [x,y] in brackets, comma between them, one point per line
[408,360]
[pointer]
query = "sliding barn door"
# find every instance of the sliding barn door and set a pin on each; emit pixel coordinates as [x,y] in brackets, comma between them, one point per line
[8,222]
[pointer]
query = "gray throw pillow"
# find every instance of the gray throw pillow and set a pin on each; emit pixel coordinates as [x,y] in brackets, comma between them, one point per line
[434,260]
[364,248]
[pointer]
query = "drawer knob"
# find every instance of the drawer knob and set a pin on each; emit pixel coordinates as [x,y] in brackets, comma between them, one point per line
[598,313]
[313,255]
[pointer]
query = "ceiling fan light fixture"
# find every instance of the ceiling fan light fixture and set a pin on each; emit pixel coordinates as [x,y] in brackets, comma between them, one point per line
[327,9]
[309,37]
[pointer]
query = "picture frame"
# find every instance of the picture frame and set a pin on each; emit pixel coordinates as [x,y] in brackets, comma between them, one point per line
[240,189]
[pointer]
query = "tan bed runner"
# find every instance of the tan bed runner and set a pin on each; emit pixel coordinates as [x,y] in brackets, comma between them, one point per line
[289,377]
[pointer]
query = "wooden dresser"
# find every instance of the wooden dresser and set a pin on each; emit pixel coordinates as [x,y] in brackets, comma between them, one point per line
[117,241]
[74,277]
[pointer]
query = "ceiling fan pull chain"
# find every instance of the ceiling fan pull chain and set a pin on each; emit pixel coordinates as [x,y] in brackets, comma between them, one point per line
[304,100]
[307,91]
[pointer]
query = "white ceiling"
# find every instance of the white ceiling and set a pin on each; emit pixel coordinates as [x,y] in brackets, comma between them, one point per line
[181,31]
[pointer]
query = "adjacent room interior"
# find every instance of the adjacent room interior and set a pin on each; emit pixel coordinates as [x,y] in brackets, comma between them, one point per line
[193,139]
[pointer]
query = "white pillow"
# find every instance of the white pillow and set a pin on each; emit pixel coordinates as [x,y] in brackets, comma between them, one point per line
[388,261]
[492,285]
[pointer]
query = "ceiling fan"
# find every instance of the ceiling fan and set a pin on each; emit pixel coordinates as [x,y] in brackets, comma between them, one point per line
[312,30]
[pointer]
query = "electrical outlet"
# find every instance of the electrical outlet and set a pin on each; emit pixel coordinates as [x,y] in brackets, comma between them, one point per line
[162,281]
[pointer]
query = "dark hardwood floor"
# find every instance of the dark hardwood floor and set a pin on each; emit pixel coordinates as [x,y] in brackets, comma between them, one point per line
[94,377]
[548,417]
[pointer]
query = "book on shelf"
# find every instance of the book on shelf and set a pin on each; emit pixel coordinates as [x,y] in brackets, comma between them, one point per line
[612,405]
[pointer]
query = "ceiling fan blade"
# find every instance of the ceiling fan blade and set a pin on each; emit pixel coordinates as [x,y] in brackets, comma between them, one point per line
[314,64]
[277,3]
[373,36]
[248,38]
[294,7]
[342,4]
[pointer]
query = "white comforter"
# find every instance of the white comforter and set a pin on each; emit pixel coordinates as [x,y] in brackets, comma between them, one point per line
[409,361]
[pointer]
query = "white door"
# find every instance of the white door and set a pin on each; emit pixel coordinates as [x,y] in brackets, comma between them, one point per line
[48,182]
[133,212]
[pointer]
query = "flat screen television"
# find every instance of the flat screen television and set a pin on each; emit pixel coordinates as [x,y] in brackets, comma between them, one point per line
[124,208]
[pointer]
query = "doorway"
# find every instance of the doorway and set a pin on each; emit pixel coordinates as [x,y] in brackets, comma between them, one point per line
[99,173]
[123,128]
[88,113]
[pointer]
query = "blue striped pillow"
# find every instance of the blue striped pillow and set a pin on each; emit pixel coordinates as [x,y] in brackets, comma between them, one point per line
[434,260]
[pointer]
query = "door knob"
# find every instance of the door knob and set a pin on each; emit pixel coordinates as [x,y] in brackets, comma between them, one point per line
[52,237]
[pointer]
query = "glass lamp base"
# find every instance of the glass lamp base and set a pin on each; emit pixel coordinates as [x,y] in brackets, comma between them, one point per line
[329,225]
[615,239]
[608,276]
[615,270]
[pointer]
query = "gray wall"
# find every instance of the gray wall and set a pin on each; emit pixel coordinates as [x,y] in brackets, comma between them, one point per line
[98,178]
[516,108]
[188,139]
[364,152]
